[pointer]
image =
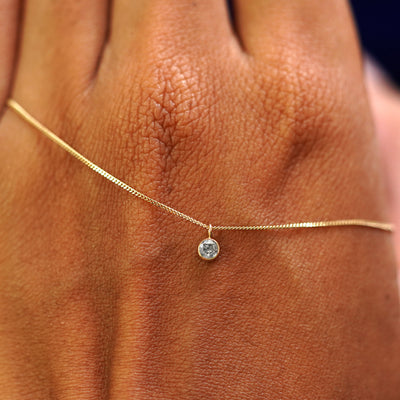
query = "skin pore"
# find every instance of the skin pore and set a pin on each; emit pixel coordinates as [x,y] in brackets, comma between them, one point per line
[263,120]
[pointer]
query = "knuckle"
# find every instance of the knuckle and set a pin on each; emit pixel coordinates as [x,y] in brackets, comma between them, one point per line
[170,112]
[304,104]
[173,100]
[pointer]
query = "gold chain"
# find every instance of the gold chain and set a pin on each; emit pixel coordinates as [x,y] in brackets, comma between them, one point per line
[319,224]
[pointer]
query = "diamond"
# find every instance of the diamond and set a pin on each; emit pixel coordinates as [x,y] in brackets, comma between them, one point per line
[208,249]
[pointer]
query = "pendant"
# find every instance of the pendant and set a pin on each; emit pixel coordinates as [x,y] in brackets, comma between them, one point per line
[208,248]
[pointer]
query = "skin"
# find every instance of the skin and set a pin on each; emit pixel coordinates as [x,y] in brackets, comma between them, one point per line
[385,103]
[103,296]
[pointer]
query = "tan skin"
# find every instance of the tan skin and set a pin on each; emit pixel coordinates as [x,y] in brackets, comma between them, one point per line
[385,103]
[102,296]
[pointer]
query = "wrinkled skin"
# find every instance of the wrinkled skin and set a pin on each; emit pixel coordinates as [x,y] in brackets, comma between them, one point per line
[103,296]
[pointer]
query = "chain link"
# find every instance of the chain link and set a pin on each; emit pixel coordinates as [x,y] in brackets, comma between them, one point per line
[12,104]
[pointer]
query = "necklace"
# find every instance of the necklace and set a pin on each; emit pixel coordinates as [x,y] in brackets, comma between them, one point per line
[208,248]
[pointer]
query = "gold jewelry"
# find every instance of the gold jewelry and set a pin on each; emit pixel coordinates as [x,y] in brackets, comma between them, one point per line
[208,248]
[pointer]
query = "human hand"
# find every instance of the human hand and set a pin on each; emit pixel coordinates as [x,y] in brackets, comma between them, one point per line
[104,296]
[385,103]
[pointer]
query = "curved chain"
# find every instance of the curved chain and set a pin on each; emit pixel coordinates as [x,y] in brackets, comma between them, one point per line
[318,224]
[12,104]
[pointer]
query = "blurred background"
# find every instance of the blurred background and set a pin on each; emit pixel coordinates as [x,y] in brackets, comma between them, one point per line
[379,27]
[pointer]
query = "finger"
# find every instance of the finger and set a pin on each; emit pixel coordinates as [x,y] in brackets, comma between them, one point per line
[163,25]
[9,13]
[277,27]
[61,44]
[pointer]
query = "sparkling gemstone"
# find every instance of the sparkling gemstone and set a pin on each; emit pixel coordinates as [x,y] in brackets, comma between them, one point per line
[208,249]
